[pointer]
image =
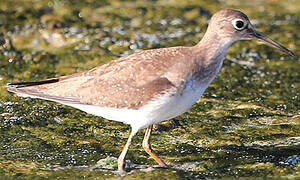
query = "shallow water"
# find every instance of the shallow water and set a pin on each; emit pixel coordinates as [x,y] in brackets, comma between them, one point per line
[247,123]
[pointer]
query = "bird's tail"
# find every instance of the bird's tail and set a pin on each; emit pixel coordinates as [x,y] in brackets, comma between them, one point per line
[22,88]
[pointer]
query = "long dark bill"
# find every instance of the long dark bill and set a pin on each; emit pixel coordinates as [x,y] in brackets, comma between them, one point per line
[259,35]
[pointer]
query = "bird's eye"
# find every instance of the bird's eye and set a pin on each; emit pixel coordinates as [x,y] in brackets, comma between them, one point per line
[238,24]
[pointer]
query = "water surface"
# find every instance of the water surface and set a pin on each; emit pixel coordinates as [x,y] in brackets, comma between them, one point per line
[247,123]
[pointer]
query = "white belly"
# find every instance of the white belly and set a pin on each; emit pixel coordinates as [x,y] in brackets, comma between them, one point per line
[170,106]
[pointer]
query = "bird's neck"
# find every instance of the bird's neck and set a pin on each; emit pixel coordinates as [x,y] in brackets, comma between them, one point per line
[212,48]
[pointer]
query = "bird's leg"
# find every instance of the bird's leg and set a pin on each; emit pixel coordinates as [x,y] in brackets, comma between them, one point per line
[147,147]
[124,152]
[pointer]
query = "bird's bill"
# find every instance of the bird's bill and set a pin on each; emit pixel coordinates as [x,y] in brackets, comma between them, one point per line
[269,41]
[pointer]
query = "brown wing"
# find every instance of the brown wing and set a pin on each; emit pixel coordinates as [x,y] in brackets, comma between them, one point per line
[129,82]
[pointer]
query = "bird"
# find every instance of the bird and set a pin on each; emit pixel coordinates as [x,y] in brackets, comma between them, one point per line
[145,88]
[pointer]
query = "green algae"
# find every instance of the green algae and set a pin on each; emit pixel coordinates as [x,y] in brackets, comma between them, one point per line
[245,125]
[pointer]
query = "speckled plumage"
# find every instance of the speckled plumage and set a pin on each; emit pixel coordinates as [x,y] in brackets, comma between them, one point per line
[128,82]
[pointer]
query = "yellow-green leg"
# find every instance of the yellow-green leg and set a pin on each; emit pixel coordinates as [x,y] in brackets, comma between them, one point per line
[124,152]
[147,147]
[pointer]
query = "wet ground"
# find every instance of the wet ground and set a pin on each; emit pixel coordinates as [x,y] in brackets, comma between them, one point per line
[247,124]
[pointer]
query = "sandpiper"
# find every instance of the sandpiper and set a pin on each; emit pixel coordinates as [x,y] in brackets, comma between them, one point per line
[151,86]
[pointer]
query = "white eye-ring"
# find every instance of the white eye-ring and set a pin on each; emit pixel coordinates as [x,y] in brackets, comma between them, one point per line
[238,24]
